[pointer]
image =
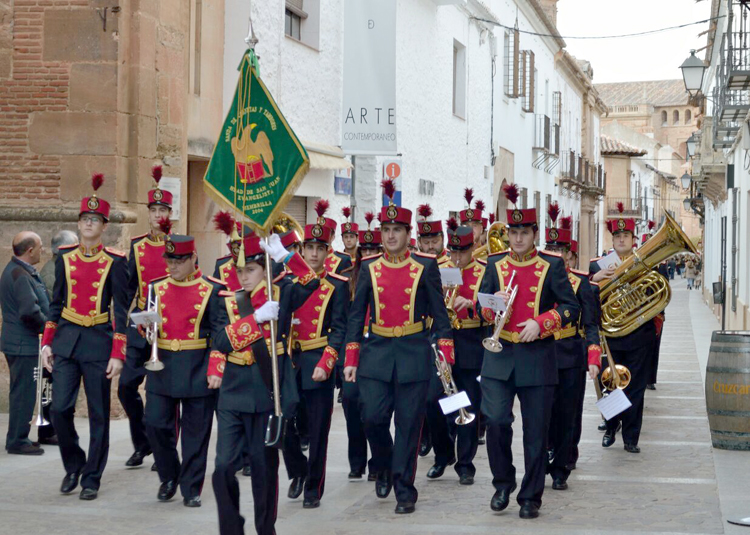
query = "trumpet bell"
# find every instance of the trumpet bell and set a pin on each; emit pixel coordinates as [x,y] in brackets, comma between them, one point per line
[608,379]
[464,418]
[490,344]
[40,420]
[154,365]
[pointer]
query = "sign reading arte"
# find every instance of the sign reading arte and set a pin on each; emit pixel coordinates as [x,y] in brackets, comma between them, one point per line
[258,161]
[369,111]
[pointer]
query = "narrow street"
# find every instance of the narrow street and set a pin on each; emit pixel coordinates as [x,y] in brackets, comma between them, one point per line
[678,484]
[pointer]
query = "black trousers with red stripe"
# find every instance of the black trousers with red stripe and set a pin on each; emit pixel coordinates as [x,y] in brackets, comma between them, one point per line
[318,407]
[405,402]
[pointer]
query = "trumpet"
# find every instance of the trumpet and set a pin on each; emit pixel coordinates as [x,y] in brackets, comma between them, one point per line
[450,298]
[152,333]
[449,385]
[493,342]
[43,391]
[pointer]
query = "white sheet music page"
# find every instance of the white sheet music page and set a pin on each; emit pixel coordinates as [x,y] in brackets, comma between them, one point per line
[613,404]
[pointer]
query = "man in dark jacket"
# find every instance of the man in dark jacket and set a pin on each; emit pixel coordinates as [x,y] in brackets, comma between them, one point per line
[25,306]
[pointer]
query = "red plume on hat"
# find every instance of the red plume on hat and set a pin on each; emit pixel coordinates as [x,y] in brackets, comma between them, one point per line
[97,180]
[492,218]
[321,207]
[566,222]
[424,211]
[156,174]
[479,205]
[380,217]
[468,196]
[651,225]
[511,192]
[553,211]
[452,224]
[346,212]
[389,188]
[224,222]
[165,225]
[620,207]
[369,216]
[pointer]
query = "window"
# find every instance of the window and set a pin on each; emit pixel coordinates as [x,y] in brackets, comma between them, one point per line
[459,79]
[302,21]
[524,198]
[688,117]
[557,108]
[538,206]
[675,117]
[528,75]
[510,64]
[197,47]
[292,24]
[664,118]
[547,202]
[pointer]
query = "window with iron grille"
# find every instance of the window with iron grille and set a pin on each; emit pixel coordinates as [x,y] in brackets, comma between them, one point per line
[557,107]
[528,75]
[510,64]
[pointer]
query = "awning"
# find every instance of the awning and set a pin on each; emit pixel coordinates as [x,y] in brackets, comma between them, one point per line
[326,156]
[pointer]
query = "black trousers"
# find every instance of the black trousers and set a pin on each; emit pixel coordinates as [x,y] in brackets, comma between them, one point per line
[536,408]
[21,402]
[132,376]
[637,361]
[562,434]
[319,408]
[164,423]
[237,432]
[579,418]
[405,402]
[355,429]
[442,434]
[653,368]
[467,436]
[67,374]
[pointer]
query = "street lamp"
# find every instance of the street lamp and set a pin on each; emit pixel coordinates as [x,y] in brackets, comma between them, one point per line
[692,144]
[693,70]
[686,179]
[686,204]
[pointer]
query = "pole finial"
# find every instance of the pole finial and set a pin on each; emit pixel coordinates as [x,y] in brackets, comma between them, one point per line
[251,40]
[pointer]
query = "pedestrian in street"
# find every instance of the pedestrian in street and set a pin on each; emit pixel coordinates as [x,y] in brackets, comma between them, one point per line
[690,273]
[25,306]
[47,273]
[672,266]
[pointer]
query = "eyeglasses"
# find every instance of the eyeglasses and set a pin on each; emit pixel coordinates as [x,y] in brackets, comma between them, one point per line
[91,219]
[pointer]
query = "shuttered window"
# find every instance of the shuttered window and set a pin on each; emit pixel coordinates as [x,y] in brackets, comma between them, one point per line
[297,208]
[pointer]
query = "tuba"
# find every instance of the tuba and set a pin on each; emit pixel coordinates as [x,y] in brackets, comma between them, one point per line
[636,294]
[497,241]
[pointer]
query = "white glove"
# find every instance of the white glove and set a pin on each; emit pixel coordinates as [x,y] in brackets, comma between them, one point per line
[269,311]
[274,248]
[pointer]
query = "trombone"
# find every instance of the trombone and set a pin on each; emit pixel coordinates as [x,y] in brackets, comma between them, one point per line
[493,342]
[614,375]
[43,391]
[449,385]
[152,333]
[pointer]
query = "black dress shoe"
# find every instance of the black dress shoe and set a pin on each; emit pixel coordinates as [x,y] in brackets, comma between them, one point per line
[424,447]
[310,503]
[528,510]
[247,471]
[167,490]
[153,468]
[404,508]
[481,441]
[355,474]
[69,483]
[296,487]
[559,484]
[137,458]
[632,448]
[26,449]
[88,494]
[193,501]
[651,386]
[372,476]
[50,441]
[466,479]
[383,484]
[602,426]
[436,471]
[609,438]
[501,499]
[340,397]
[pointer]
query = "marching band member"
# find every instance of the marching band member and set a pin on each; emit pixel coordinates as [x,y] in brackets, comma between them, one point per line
[316,339]
[145,264]
[402,290]
[431,239]
[290,241]
[224,270]
[472,217]
[349,233]
[336,261]
[89,303]
[632,350]
[241,364]
[577,350]
[468,342]
[526,367]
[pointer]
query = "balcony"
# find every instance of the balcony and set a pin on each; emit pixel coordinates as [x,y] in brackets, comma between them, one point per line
[546,143]
[632,207]
[738,46]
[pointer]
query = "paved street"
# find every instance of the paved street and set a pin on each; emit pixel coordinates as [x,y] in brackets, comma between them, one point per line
[671,487]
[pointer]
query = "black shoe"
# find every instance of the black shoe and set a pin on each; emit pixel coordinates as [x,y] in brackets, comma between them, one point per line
[466,479]
[550,456]
[559,484]
[304,444]
[632,448]
[310,503]
[137,458]
[529,510]
[436,471]
[404,508]
[651,386]
[609,438]
[383,484]
[482,432]
[88,494]
[69,483]
[193,501]
[50,441]
[26,449]
[247,471]
[501,499]
[340,397]
[481,441]
[295,488]
[602,426]
[167,490]
[372,476]
[570,467]
[424,447]
[153,468]
[355,474]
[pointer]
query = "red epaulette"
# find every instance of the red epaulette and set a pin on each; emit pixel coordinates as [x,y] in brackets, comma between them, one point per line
[371,257]
[159,279]
[343,254]
[281,276]
[115,252]
[482,262]
[550,253]
[224,257]
[424,255]
[73,246]
[138,237]
[226,293]
[579,272]
[215,280]
[497,253]
[337,276]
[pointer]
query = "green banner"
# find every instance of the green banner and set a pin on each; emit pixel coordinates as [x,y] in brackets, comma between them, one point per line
[258,162]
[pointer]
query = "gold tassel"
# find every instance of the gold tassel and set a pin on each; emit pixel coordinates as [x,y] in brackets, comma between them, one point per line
[241,256]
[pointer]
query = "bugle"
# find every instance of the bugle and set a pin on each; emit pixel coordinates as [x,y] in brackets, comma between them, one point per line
[43,391]
[493,342]
[152,334]
[449,385]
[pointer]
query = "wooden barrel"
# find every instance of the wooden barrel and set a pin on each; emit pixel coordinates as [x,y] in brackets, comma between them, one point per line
[728,390]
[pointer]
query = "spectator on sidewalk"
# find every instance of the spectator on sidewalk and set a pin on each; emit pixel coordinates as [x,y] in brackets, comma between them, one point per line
[25,306]
[672,266]
[690,273]
[62,238]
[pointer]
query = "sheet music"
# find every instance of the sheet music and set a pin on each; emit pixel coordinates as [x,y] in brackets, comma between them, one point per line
[612,259]
[459,400]
[146,318]
[451,276]
[613,404]
[492,301]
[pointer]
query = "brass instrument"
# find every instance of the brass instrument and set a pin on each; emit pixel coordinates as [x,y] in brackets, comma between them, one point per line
[152,333]
[497,241]
[450,299]
[43,391]
[285,223]
[635,294]
[449,385]
[493,342]
[611,381]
